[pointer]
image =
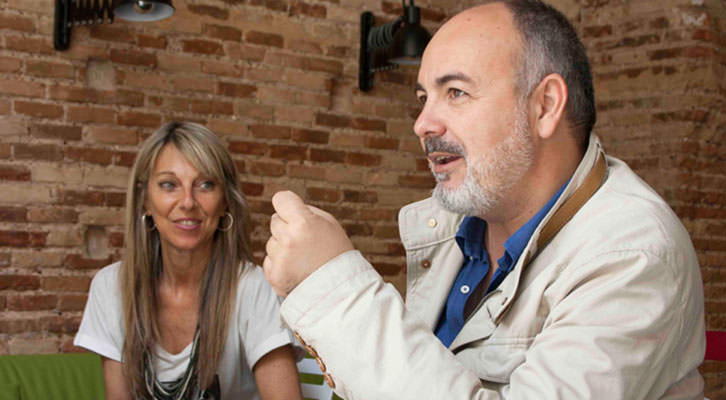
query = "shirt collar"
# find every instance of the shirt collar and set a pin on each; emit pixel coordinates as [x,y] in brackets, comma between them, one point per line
[470,236]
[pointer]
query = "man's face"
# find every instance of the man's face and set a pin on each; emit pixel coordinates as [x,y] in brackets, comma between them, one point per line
[472,127]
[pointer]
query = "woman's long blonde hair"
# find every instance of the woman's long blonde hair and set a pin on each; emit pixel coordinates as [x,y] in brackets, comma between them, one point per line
[142,264]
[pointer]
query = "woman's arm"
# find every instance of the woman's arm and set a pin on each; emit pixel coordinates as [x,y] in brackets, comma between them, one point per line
[113,376]
[276,375]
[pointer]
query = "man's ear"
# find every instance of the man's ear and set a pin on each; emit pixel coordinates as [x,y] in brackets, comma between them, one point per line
[548,102]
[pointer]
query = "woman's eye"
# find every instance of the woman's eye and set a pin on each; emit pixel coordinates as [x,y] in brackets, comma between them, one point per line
[166,185]
[207,185]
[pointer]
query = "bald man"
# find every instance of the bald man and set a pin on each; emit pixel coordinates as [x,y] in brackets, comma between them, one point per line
[540,268]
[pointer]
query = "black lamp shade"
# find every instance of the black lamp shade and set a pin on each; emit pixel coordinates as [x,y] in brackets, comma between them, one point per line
[143,10]
[408,44]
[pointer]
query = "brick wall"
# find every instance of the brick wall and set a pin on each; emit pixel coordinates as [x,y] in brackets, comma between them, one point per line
[278,80]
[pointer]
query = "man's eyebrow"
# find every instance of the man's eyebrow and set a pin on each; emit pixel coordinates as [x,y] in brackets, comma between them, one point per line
[457,76]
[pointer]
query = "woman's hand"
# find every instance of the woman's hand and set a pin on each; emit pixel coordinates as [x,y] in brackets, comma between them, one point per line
[276,375]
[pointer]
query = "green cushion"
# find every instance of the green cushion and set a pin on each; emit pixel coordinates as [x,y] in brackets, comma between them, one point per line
[9,391]
[75,376]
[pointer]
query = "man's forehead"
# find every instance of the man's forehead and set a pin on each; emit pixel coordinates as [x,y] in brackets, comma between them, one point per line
[478,41]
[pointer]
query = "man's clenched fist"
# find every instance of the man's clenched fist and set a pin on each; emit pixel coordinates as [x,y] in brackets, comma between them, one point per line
[303,239]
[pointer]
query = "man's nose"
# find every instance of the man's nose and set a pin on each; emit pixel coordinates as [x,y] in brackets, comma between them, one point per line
[429,122]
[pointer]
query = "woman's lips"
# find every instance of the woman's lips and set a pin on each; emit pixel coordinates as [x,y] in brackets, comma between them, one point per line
[187,224]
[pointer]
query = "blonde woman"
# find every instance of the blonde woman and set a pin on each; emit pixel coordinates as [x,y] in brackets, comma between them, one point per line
[185,315]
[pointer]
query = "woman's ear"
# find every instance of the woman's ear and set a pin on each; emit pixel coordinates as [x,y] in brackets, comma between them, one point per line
[548,102]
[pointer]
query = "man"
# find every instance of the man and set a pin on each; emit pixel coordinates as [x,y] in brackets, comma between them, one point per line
[568,278]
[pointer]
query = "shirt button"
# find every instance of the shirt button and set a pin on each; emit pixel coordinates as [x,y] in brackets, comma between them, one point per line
[465,289]
[425,264]
[432,223]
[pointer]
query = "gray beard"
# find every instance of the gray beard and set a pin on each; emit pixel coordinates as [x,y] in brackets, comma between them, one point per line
[488,176]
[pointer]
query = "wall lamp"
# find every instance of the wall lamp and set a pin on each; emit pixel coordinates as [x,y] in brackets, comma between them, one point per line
[89,12]
[385,47]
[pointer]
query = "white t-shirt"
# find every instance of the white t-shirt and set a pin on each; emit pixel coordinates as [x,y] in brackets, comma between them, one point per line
[255,329]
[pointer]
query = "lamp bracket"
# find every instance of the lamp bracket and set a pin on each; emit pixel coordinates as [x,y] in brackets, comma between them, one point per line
[70,13]
[375,45]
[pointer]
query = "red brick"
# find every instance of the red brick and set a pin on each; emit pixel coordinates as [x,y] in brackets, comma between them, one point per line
[597,31]
[13,214]
[75,94]
[378,214]
[47,152]
[270,131]
[339,51]
[76,197]
[419,182]
[311,10]
[77,261]
[135,118]
[89,155]
[212,107]
[253,148]
[357,229]
[10,64]
[290,153]
[17,23]
[5,150]
[304,46]
[61,324]
[124,97]
[156,42]
[72,302]
[355,196]
[386,232]
[124,158]
[323,155]
[210,11]
[19,283]
[15,326]
[363,159]
[368,124]
[22,239]
[36,109]
[337,121]
[60,132]
[113,33]
[49,69]
[236,90]
[223,32]
[310,136]
[133,57]
[14,173]
[116,239]
[29,44]
[275,5]
[382,143]
[267,168]
[91,114]
[32,302]
[202,47]
[265,39]
[320,64]
[52,214]
[323,194]
[253,189]
[114,199]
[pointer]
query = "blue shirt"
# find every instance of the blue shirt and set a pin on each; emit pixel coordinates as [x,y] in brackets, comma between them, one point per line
[470,239]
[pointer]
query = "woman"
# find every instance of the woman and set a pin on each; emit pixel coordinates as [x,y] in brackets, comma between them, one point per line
[185,315]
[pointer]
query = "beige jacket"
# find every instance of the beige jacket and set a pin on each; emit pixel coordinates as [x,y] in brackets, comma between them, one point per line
[611,308]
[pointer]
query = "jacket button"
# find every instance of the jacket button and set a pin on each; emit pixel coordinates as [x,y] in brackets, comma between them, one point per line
[432,223]
[425,264]
[329,381]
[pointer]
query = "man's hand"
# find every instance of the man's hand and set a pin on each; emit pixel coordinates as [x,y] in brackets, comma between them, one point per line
[303,239]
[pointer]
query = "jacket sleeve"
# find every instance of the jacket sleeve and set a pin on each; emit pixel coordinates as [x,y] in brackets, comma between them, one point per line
[367,342]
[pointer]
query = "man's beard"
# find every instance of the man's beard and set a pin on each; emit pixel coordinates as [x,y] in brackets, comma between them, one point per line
[489,176]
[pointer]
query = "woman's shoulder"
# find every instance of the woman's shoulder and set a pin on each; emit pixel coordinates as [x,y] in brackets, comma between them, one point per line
[107,277]
[251,274]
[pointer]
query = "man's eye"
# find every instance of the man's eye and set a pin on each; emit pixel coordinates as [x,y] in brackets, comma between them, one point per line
[456,92]
[421,99]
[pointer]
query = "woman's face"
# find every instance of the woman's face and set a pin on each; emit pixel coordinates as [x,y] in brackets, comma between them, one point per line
[185,205]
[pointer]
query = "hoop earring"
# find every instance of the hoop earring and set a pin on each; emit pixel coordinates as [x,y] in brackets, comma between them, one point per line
[146,224]
[231,222]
